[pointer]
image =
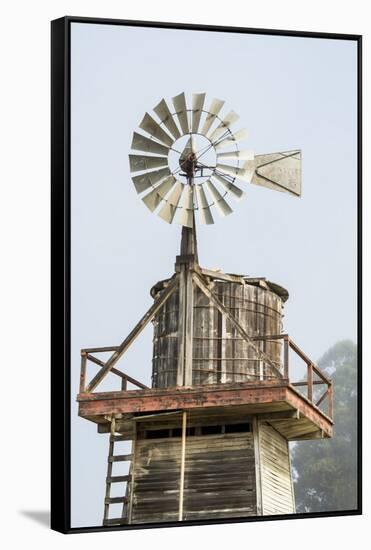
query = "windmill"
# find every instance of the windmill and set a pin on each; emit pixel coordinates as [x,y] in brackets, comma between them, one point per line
[210,438]
[176,191]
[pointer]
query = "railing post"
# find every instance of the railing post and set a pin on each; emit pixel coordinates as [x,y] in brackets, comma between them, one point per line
[310,381]
[286,344]
[330,401]
[124,383]
[83,371]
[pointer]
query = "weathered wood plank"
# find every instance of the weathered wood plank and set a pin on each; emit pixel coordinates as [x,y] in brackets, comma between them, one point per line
[258,475]
[278,415]
[120,458]
[248,397]
[156,481]
[211,405]
[164,392]
[261,355]
[219,478]
[190,399]
[223,276]
[188,336]
[118,479]
[99,350]
[83,372]
[182,465]
[277,493]
[115,500]
[182,324]
[310,381]
[114,521]
[309,410]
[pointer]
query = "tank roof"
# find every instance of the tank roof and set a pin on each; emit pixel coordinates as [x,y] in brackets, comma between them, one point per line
[261,282]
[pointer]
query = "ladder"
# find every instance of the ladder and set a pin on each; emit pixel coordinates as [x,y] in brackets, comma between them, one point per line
[125,479]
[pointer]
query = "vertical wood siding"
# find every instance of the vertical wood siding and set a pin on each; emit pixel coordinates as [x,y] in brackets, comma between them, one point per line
[276,483]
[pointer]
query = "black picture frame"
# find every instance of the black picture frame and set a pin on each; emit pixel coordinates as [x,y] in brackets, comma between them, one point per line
[61,272]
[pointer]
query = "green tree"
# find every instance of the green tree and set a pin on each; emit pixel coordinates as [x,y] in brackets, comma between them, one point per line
[325,471]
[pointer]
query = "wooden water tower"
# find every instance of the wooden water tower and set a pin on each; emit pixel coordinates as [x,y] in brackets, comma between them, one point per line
[210,439]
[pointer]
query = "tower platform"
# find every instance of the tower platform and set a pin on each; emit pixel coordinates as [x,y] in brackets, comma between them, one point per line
[292,414]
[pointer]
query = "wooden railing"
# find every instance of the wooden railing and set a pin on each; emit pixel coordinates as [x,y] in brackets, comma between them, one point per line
[309,382]
[311,371]
[86,355]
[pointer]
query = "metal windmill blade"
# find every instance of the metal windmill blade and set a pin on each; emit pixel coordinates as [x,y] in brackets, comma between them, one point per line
[203,208]
[186,210]
[150,126]
[142,162]
[154,198]
[234,171]
[169,208]
[219,201]
[214,109]
[198,101]
[180,106]
[146,181]
[223,127]
[164,114]
[147,145]
[229,186]
[245,154]
[231,138]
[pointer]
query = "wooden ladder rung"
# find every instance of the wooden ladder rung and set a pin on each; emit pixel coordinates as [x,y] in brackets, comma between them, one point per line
[124,500]
[116,438]
[117,479]
[115,500]
[115,521]
[120,458]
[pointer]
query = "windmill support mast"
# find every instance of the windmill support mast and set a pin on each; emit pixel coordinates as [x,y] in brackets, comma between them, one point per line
[185,265]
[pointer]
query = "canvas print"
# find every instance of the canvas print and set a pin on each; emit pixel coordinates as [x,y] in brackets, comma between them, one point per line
[213,275]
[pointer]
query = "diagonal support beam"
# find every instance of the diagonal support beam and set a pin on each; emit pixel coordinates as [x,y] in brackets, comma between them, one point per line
[322,398]
[122,375]
[147,317]
[218,304]
[279,415]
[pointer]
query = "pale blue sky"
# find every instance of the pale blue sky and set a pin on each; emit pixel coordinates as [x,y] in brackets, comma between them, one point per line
[290,93]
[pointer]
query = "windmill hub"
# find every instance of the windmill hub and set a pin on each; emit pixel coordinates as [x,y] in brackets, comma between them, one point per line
[195,157]
[189,164]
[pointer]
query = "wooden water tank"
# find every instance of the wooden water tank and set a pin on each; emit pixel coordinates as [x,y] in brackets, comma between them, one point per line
[220,355]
